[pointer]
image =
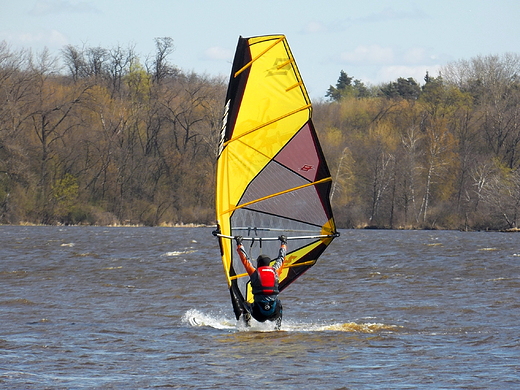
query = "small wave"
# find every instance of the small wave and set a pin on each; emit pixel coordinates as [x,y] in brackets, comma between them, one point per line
[18,301]
[501,279]
[177,253]
[70,244]
[359,328]
[16,272]
[196,318]
[87,254]
[352,327]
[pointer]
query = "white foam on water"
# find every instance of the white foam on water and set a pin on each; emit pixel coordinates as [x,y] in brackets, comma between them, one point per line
[177,253]
[195,318]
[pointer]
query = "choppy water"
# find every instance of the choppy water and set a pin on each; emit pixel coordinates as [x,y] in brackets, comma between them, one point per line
[108,308]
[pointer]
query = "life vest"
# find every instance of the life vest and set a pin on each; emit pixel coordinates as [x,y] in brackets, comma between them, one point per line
[265,282]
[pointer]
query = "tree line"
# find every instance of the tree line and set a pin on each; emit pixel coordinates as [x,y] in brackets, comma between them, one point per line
[442,155]
[110,138]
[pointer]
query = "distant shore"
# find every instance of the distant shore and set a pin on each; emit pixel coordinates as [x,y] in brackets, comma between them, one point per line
[199,225]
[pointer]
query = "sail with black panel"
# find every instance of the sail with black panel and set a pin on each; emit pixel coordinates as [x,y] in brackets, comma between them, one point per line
[272,177]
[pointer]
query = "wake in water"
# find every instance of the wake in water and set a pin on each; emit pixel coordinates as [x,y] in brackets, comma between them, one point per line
[196,318]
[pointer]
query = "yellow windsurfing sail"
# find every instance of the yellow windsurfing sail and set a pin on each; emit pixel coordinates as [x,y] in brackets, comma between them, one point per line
[272,178]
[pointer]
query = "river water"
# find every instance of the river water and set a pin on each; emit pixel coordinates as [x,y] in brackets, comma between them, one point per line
[110,308]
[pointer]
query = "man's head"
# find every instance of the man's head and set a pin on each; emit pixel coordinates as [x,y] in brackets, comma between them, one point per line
[263,261]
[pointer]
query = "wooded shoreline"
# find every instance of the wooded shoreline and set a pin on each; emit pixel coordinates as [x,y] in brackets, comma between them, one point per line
[108,139]
[194,225]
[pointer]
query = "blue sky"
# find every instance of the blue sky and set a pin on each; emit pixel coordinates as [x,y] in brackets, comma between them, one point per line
[374,41]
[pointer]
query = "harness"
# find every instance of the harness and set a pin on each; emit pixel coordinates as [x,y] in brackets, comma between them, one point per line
[267,306]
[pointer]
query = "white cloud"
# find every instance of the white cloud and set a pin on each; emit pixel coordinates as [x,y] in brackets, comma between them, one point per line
[218,53]
[314,27]
[416,55]
[42,38]
[45,7]
[369,55]
[391,14]
[51,39]
[392,73]
[55,38]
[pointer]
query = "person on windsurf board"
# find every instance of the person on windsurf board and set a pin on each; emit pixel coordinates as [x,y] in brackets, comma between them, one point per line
[264,282]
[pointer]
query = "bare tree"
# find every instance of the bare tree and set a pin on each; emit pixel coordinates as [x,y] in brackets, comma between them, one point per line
[501,191]
[74,59]
[95,61]
[160,65]
[118,65]
[50,116]
[494,82]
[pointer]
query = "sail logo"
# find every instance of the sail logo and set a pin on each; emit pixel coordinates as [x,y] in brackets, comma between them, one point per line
[278,67]
[306,168]
[223,129]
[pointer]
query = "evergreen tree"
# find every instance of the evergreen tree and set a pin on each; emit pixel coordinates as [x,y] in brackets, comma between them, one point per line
[345,87]
[403,88]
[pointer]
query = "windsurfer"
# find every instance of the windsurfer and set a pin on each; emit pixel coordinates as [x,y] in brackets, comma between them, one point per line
[264,283]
